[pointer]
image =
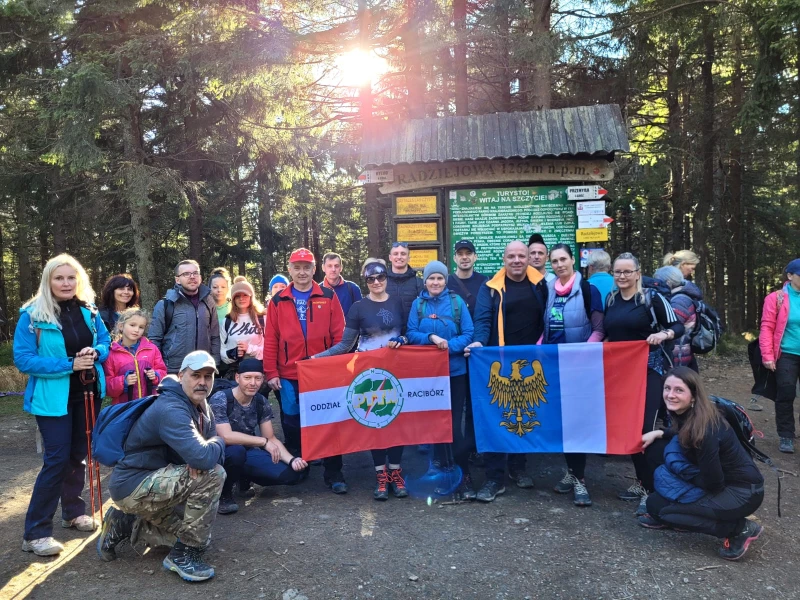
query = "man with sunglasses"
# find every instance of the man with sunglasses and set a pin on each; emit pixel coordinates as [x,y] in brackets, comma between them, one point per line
[404,282]
[185,319]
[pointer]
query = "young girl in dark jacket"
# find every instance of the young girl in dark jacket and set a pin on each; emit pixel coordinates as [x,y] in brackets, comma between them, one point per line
[719,484]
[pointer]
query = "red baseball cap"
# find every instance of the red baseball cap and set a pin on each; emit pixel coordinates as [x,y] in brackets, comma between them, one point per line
[301,255]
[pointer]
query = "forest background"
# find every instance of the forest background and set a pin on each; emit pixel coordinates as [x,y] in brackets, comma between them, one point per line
[135,133]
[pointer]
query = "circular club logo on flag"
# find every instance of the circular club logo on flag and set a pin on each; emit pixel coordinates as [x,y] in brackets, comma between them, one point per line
[375,398]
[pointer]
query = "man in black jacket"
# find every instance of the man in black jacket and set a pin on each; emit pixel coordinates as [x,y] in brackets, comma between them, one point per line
[173,457]
[403,281]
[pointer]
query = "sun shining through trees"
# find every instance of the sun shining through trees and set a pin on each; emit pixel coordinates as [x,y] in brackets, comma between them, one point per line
[358,68]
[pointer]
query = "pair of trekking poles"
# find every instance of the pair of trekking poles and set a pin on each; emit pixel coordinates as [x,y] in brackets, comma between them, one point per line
[89,378]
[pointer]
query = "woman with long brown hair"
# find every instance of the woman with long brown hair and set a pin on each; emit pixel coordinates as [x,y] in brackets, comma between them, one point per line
[708,482]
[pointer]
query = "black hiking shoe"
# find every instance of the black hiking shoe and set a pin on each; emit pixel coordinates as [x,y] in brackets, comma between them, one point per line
[787,445]
[649,522]
[733,548]
[397,484]
[245,490]
[466,491]
[117,527]
[382,486]
[335,481]
[635,492]
[227,505]
[522,479]
[187,561]
[490,491]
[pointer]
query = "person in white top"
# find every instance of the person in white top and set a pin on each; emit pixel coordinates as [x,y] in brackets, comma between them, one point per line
[243,332]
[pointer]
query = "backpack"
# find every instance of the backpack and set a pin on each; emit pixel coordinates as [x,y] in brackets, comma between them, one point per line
[455,308]
[650,293]
[112,427]
[707,329]
[738,419]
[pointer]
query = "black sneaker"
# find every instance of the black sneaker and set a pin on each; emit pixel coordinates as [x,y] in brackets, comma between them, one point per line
[649,522]
[381,486]
[635,492]
[187,561]
[227,505]
[733,548]
[580,494]
[397,484]
[117,527]
[787,445]
[490,491]
[465,490]
[335,481]
[522,479]
[566,485]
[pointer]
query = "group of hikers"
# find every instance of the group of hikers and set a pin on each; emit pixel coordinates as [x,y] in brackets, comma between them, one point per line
[213,353]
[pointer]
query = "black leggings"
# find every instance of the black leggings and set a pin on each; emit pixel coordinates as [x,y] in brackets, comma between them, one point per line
[390,455]
[721,515]
[653,409]
[576,463]
[458,451]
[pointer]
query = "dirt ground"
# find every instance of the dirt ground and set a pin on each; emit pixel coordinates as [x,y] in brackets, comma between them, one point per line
[302,542]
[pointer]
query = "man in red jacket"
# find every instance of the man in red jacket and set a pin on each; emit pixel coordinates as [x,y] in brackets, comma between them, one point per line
[303,320]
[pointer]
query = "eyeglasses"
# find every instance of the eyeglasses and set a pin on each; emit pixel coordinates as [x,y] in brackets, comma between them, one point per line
[376,278]
[624,273]
[191,274]
[399,244]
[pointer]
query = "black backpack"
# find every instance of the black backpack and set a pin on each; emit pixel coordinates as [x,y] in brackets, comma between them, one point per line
[738,419]
[707,329]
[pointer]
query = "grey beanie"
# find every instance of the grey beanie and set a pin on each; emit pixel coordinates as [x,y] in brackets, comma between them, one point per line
[434,267]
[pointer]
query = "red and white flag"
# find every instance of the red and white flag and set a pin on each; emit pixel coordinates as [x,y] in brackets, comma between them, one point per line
[372,400]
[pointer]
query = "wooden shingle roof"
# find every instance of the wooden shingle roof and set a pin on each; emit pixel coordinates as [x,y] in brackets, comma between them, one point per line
[588,131]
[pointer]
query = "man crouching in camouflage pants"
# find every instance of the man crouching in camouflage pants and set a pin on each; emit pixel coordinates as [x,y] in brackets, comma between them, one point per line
[172,457]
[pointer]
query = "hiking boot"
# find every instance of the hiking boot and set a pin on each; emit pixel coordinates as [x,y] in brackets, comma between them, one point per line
[382,486]
[117,527]
[635,492]
[227,505]
[490,491]
[641,510]
[650,522]
[81,523]
[465,491]
[46,546]
[476,458]
[523,480]
[187,561]
[787,445]
[245,490]
[580,494]
[397,483]
[754,406]
[733,548]
[336,483]
[566,484]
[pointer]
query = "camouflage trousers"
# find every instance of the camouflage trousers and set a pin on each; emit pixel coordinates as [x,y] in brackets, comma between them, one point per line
[164,490]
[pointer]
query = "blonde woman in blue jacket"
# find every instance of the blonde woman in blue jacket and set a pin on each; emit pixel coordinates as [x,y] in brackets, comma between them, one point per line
[59,334]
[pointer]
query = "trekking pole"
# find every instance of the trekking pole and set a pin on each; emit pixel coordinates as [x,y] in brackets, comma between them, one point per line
[88,379]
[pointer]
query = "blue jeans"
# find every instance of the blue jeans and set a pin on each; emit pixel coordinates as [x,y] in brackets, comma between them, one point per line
[63,472]
[255,464]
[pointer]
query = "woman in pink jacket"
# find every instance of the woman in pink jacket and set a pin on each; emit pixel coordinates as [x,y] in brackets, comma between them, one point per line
[134,366]
[779,341]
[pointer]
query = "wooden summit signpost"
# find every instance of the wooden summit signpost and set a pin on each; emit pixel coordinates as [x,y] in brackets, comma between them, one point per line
[496,178]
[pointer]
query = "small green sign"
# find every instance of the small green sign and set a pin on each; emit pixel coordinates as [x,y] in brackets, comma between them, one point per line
[493,217]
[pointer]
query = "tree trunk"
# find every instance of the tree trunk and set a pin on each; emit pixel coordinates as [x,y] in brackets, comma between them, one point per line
[674,136]
[5,313]
[504,59]
[541,86]
[26,279]
[239,208]
[413,57]
[736,256]
[460,56]
[265,235]
[195,224]
[704,202]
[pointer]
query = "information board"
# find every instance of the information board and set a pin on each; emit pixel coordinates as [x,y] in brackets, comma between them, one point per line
[415,205]
[419,257]
[492,217]
[417,232]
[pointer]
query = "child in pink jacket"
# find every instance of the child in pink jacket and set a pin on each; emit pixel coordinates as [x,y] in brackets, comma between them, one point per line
[134,366]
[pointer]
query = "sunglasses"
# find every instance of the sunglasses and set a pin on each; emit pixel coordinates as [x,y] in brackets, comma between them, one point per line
[376,278]
[400,245]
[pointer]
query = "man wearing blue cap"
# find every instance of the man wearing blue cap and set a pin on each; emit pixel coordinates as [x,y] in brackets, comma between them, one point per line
[173,457]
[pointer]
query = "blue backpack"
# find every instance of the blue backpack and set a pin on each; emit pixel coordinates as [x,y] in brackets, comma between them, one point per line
[112,428]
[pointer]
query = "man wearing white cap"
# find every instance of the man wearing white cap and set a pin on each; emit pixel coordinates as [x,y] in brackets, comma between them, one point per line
[173,457]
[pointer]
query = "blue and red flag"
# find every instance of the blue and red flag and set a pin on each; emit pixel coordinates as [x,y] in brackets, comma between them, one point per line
[559,398]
